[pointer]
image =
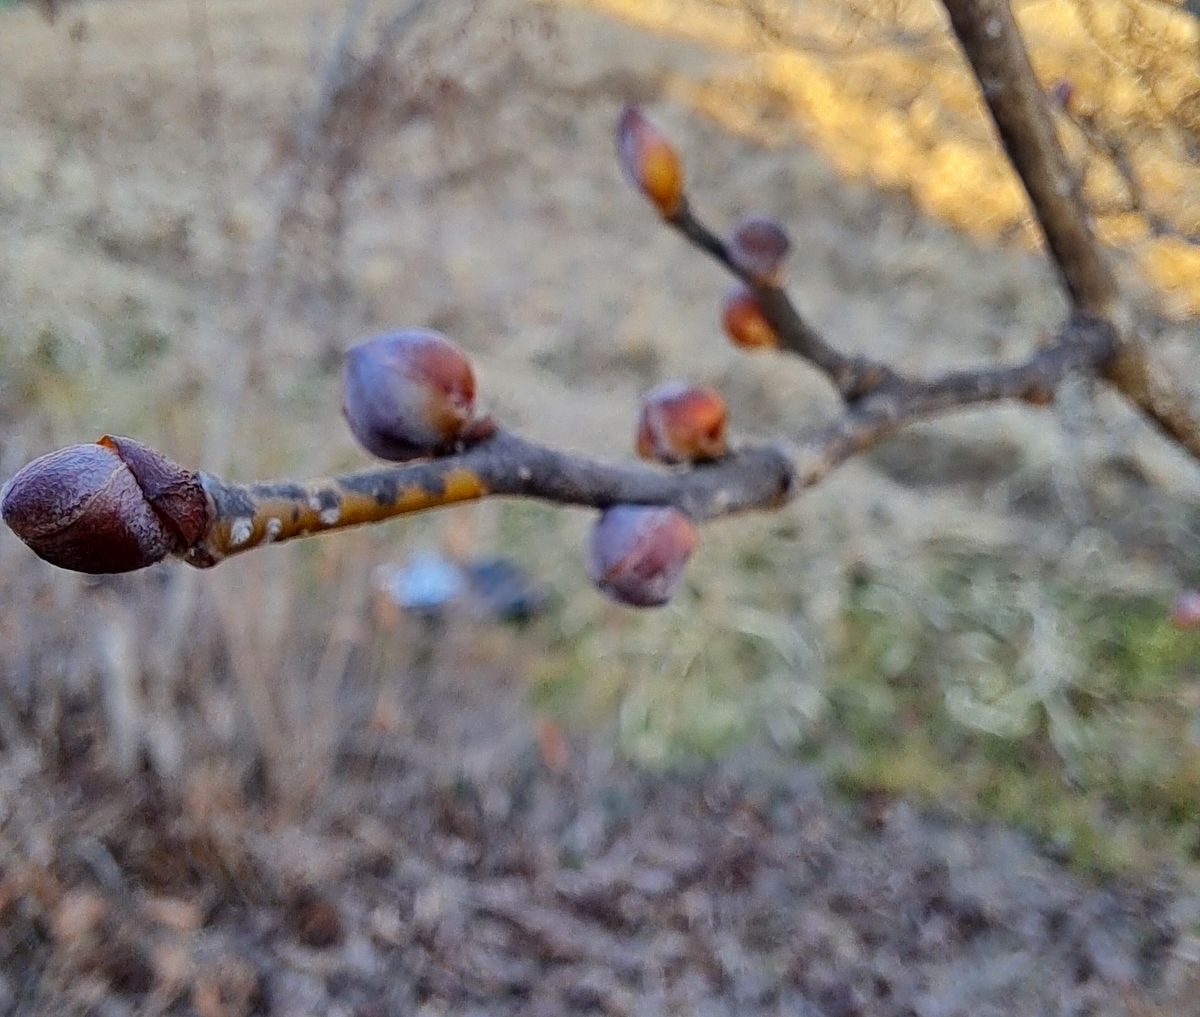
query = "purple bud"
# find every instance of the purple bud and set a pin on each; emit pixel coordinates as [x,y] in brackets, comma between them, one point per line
[758,247]
[636,553]
[408,394]
[1185,613]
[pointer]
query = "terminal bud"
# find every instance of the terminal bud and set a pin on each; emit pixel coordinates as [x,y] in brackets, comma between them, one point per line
[112,506]
[650,161]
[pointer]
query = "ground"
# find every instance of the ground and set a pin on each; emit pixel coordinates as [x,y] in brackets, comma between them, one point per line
[923,743]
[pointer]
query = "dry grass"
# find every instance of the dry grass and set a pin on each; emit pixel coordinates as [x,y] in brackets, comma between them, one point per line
[974,615]
[136,249]
[879,88]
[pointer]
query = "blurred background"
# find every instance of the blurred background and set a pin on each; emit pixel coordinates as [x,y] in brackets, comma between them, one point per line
[925,742]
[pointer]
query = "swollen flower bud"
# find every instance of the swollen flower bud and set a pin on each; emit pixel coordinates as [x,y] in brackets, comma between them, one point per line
[113,506]
[682,423]
[408,394]
[650,161]
[636,553]
[744,322]
[758,246]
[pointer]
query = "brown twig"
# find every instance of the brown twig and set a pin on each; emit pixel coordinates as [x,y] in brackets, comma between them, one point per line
[853,377]
[1114,149]
[993,45]
[1083,346]
[772,29]
[245,517]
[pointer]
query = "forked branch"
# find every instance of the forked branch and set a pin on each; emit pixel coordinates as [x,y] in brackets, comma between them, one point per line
[996,51]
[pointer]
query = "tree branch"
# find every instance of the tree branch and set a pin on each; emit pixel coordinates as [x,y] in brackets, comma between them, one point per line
[994,47]
[244,517]
[1082,347]
[853,377]
[117,505]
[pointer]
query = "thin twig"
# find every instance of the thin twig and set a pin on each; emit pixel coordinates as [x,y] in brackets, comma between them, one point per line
[927,45]
[853,377]
[1116,152]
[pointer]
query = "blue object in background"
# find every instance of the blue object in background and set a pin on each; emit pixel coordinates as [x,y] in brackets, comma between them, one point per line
[503,590]
[426,584]
[495,588]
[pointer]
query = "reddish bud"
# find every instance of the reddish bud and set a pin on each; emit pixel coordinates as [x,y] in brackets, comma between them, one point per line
[744,322]
[682,423]
[758,246]
[114,506]
[636,553]
[650,161]
[408,394]
[1185,614]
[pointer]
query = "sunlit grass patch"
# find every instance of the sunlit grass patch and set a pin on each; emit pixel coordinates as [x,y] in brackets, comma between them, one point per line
[880,89]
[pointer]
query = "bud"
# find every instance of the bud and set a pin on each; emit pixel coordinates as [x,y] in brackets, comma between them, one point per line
[758,247]
[650,161]
[682,423]
[114,506]
[636,553]
[1185,614]
[408,394]
[744,322]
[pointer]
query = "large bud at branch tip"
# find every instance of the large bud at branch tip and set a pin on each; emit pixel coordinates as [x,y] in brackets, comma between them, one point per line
[650,161]
[758,246]
[682,423]
[744,322]
[636,553]
[114,506]
[409,394]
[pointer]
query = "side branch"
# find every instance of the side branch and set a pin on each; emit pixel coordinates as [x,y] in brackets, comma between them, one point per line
[1083,346]
[244,517]
[992,43]
[116,505]
[853,377]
